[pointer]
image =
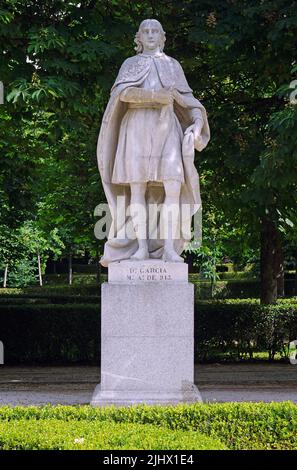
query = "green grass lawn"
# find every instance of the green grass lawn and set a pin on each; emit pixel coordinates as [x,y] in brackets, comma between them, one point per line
[231,426]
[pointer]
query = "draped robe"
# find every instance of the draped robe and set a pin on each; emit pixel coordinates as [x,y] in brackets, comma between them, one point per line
[133,73]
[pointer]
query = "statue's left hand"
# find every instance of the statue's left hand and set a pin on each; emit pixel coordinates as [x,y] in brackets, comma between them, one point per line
[196,128]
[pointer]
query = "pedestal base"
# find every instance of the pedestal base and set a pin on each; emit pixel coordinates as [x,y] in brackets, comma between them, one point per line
[189,394]
[147,335]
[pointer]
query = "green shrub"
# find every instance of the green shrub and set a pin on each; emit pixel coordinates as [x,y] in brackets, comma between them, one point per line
[65,289]
[22,274]
[83,285]
[237,425]
[47,334]
[239,328]
[233,289]
[48,299]
[225,289]
[35,332]
[54,434]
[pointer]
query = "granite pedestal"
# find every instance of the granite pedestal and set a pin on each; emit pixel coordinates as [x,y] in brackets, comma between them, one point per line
[147,335]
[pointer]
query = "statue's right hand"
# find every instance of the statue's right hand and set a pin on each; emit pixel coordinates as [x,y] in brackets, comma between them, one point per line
[164,96]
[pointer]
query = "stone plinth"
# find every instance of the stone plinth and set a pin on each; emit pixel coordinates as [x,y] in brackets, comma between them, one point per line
[147,271]
[147,335]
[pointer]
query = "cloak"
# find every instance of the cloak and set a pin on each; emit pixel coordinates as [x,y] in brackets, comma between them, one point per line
[132,73]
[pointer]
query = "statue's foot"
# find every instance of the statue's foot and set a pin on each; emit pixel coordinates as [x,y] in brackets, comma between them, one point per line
[140,254]
[171,255]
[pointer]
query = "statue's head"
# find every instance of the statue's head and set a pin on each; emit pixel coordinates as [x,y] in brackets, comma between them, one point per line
[150,36]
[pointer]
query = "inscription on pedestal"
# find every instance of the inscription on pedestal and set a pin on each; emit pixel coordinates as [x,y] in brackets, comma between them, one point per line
[147,271]
[154,273]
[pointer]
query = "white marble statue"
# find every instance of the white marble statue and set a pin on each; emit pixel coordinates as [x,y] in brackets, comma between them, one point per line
[150,128]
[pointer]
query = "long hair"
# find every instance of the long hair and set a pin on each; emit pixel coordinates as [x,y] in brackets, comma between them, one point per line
[143,24]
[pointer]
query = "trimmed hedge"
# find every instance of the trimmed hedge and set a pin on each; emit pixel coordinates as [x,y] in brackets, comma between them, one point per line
[70,333]
[227,289]
[234,289]
[83,286]
[239,426]
[64,289]
[239,329]
[50,334]
[48,299]
[54,434]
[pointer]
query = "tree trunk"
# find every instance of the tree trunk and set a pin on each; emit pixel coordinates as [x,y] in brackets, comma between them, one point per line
[70,269]
[39,269]
[5,276]
[269,245]
[279,267]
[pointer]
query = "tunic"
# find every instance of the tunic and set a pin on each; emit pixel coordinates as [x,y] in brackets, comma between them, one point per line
[149,146]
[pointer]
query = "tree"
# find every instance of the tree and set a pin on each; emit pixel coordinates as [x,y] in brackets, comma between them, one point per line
[38,243]
[10,251]
[58,63]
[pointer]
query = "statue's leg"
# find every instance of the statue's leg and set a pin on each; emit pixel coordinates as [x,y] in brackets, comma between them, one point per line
[171,217]
[139,219]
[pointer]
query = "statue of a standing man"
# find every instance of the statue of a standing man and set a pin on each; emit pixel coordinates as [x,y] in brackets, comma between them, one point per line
[150,128]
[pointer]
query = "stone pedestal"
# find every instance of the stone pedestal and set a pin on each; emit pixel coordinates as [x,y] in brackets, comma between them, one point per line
[147,335]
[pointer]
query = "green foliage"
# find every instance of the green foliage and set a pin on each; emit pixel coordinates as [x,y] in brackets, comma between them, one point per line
[78,288]
[38,242]
[50,333]
[240,289]
[23,273]
[20,247]
[209,259]
[45,329]
[239,426]
[5,16]
[233,289]
[58,62]
[10,248]
[55,434]
[237,329]
[47,298]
